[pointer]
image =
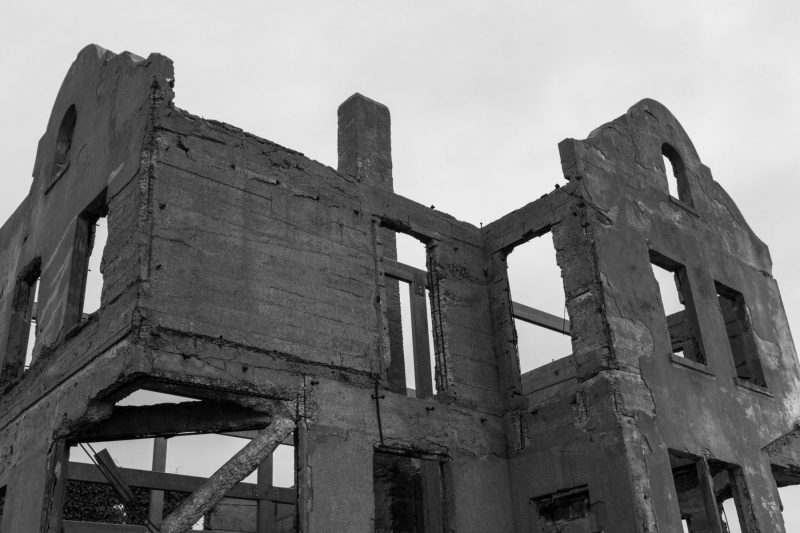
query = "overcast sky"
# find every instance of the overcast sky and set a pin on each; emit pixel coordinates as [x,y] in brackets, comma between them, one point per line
[480,92]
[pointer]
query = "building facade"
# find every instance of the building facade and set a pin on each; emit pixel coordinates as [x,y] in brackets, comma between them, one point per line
[265,287]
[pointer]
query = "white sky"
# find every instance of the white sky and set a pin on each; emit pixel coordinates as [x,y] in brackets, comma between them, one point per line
[480,92]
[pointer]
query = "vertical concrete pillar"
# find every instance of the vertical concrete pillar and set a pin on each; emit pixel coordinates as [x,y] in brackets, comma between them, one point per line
[365,151]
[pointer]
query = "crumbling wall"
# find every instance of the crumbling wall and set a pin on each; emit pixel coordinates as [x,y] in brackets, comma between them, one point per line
[246,275]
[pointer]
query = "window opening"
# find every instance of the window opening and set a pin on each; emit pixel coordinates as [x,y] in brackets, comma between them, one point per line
[2,500]
[161,472]
[409,318]
[710,493]
[568,510]
[676,302]
[94,275]
[66,131]
[86,278]
[408,493]
[740,335]
[22,328]
[675,172]
[33,329]
[538,304]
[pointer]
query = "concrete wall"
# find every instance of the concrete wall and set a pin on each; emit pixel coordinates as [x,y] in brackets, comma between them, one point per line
[240,270]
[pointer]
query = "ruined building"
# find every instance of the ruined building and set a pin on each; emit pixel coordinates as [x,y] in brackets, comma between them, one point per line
[265,288]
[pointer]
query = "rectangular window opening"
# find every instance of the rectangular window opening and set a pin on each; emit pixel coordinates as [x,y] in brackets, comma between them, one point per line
[33,330]
[676,302]
[23,330]
[740,335]
[567,510]
[2,500]
[86,277]
[708,493]
[408,315]
[94,274]
[408,493]
[538,304]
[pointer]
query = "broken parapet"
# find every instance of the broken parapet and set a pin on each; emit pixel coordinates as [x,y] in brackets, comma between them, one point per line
[266,285]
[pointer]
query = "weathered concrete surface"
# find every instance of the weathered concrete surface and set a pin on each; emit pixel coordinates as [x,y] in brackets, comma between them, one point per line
[244,274]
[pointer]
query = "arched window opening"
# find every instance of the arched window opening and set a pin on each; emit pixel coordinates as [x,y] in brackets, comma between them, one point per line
[64,141]
[676,173]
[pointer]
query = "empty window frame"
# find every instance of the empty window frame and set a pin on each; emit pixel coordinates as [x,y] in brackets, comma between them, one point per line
[541,328]
[567,510]
[678,306]
[740,335]
[412,366]
[86,280]
[22,329]
[408,493]
[677,183]
[711,494]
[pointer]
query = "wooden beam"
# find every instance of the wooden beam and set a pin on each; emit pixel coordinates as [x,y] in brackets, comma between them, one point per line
[227,476]
[75,526]
[709,497]
[113,475]
[540,318]
[170,419]
[249,434]
[401,271]
[178,483]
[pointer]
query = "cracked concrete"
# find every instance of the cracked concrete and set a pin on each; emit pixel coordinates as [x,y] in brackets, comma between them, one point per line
[265,284]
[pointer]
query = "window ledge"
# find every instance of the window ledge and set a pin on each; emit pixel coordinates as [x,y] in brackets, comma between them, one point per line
[688,363]
[744,384]
[684,205]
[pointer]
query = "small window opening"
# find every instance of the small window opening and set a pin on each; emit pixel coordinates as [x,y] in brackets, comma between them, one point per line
[408,315]
[2,500]
[408,493]
[568,510]
[22,331]
[94,274]
[710,493]
[676,173]
[33,330]
[66,132]
[676,300]
[541,327]
[86,278]
[788,483]
[740,335]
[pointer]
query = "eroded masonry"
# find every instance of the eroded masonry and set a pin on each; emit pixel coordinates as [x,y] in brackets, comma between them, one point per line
[259,295]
